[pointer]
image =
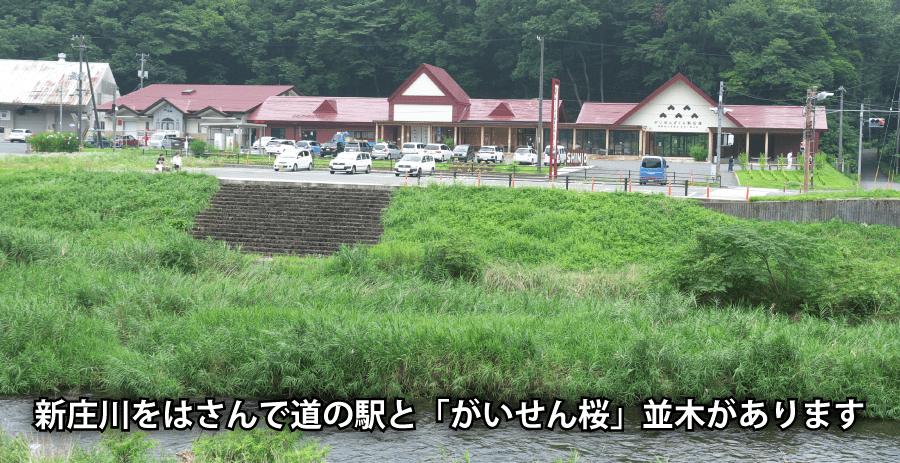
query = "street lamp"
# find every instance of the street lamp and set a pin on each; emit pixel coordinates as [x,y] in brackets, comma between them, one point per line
[61,63]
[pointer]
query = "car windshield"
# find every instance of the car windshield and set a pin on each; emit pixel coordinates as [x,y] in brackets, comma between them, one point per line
[651,163]
[288,154]
[409,146]
[432,147]
[411,158]
[487,148]
[346,156]
[381,147]
[461,149]
[302,143]
[523,151]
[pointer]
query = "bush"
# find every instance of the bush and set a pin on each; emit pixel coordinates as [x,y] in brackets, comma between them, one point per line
[762,162]
[198,147]
[451,259]
[699,152]
[761,264]
[350,260]
[743,160]
[54,142]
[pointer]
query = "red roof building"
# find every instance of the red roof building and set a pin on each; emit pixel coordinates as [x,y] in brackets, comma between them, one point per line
[217,113]
[431,107]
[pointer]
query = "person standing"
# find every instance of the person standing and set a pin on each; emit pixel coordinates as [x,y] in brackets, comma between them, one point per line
[731,164]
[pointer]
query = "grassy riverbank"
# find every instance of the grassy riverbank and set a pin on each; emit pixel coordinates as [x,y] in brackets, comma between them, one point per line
[563,295]
[826,178]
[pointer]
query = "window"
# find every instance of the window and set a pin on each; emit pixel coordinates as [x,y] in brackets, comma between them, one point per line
[278,133]
[370,135]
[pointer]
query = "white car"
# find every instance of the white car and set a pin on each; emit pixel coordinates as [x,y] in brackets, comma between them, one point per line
[159,139]
[439,152]
[385,151]
[525,156]
[412,148]
[294,159]
[415,164]
[560,156]
[277,146]
[261,142]
[351,162]
[20,135]
[490,153]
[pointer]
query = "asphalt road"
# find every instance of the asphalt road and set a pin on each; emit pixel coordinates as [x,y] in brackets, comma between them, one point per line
[869,171]
[9,147]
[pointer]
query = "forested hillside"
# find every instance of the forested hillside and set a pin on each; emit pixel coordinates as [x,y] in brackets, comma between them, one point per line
[766,51]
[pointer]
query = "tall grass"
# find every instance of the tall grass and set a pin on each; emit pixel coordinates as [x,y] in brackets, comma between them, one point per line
[114,315]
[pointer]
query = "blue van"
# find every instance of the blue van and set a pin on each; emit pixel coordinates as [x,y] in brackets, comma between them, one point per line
[653,170]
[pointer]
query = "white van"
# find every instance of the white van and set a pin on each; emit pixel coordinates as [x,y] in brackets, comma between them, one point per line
[561,155]
[158,139]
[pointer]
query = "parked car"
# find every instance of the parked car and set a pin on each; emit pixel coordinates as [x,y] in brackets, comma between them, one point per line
[490,153]
[127,140]
[463,153]
[173,143]
[157,139]
[96,142]
[415,164]
[277,146]
[261,142]
[294,159]
[358,146]
[351,162]
[525,156]
[560,155]
[20,135]
[386,151]
[313,146]
[412,148]
[653,170]
[331,148]
[439,151]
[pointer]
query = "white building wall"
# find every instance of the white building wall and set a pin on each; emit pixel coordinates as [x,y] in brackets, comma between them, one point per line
[423,113]
[677,109]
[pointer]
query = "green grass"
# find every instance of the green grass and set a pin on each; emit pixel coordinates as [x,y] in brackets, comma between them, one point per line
[826,178]
[102,291]
[855,194]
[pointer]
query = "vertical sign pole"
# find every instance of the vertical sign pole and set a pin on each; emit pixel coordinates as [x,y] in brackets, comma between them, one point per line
[554,131]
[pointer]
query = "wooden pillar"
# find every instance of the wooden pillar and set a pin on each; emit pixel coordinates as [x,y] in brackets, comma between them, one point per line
[455,135]
[607,142]
[481,142]
[767,146]
[430,140]
[748,144]
[509,138]
[712,148]
[575,138]
[640,142]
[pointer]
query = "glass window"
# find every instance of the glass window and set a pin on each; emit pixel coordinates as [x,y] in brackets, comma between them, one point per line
[278,132]
[591,141]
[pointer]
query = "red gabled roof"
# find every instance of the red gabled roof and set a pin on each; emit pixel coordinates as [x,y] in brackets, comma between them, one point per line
[440,78]
[775,117]
[327,106]
[603,113]
[678,77]
[522,111]
[306,109]
[222,98]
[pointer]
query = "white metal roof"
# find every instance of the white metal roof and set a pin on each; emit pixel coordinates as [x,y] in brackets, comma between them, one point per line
[30,82]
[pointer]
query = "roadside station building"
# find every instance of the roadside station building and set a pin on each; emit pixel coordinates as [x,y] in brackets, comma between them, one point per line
[431,107]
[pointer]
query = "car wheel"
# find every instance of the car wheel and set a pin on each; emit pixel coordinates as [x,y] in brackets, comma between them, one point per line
[309,166]
[419,173]
[352,170]
[332,172]
[432,171]
[396,174]
[276,170]
[368,169]
[294,169]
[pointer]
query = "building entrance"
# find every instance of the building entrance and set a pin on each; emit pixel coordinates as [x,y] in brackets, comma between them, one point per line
[676,144]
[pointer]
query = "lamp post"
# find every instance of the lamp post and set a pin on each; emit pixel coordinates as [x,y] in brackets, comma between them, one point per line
[540,134]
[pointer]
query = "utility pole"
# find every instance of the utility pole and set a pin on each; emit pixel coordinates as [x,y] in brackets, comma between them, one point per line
[897,143]
[97,130]
[80,48]
[859,158]
[807,146]
[841,132]
[115,119]
[719,111]
[540,135]
[142,74]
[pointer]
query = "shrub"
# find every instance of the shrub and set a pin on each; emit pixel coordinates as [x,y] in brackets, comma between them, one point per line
[758,264]
[781,162]
[350,260]
[451,259]
[54,142]
[198,147]
[762,162]
[743,160]
[258,446]
[699,152]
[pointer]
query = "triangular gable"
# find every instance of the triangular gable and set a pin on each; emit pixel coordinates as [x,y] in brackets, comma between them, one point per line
[209,111]
[423,86]
[502,110]
[678,78]
[327,107]
[437,77]
[160,102]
